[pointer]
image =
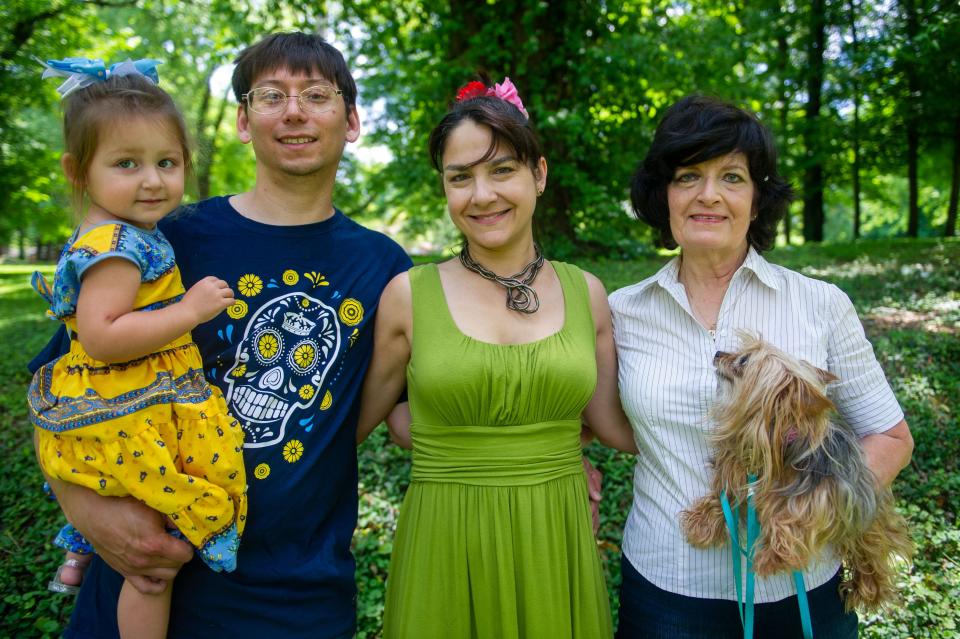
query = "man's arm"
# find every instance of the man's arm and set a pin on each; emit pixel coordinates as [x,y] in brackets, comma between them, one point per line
[386,376]
[128,535]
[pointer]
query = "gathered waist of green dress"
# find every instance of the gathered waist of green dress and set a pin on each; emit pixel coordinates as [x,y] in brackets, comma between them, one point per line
[511,455]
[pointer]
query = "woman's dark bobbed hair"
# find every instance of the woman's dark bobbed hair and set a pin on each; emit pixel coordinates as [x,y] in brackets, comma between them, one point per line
[700,128]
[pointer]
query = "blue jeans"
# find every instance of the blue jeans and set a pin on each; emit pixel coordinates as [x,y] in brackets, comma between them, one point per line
[647,612]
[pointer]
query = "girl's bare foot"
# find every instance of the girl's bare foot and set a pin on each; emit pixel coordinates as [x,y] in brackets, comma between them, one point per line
[70,574]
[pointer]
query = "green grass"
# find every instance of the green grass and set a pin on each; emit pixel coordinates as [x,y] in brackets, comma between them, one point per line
[27,517]
[906,291]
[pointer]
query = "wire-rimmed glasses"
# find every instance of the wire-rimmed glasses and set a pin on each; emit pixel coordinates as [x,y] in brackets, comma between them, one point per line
[271,101]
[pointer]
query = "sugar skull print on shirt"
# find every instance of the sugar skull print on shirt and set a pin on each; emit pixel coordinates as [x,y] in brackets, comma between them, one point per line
[282,361]
[280,372]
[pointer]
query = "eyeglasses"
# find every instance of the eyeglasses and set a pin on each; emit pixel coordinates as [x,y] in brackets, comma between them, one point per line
[270,101]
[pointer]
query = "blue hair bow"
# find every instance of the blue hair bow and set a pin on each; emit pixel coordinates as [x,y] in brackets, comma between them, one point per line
[82,72]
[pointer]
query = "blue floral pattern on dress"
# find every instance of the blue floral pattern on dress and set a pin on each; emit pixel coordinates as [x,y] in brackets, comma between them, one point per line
[148,250]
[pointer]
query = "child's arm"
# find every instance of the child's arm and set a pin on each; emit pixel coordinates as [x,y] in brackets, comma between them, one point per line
[111,331]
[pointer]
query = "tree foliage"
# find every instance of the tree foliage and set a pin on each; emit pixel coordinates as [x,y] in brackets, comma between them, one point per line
[596,76]
[874,129]
[192,39]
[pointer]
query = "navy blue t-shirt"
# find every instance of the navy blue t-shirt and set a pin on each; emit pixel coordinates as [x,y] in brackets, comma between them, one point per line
[290,356]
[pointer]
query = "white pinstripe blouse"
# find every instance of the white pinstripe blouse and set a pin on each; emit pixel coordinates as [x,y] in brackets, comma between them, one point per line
[668,383]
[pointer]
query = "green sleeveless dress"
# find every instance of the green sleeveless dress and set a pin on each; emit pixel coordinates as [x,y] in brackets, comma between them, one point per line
[494,538]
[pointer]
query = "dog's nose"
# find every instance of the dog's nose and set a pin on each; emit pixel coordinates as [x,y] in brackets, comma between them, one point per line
[718,356]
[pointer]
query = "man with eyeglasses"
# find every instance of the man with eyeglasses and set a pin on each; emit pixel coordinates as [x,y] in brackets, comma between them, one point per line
[289,355]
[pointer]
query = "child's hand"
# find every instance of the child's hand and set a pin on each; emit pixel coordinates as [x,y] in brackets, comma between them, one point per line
[208,297]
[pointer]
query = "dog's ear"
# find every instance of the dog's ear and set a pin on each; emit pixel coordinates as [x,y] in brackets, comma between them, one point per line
[804,392]
[812,398]
[826,376]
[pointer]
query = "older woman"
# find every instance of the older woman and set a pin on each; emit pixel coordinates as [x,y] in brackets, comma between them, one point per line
[709,184]
[502,353]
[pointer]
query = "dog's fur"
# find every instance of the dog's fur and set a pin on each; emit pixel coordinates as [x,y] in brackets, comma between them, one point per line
[813,487]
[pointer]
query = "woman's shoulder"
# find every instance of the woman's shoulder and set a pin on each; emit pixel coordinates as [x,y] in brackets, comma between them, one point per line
[823,299]
[633,294]
[809,284]
[418,273]
[572,271]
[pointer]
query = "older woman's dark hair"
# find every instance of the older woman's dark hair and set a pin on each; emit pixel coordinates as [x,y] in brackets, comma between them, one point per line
[700,128]
[509,128]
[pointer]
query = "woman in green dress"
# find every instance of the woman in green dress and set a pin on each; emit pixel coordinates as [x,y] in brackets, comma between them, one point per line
[494,538]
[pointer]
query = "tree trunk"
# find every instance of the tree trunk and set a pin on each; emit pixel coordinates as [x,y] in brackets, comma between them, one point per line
[856,120]
[783,59]
[913,152]
[202,161]
[206,160]
[913,128]
[813,175]
[951,228]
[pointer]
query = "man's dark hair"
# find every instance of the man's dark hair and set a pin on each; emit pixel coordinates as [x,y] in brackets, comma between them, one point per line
[300,53]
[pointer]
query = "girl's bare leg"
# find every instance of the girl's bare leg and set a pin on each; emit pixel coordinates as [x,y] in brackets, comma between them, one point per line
[143,616]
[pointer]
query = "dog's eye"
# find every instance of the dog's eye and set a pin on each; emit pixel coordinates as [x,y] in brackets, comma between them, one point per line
[742,361]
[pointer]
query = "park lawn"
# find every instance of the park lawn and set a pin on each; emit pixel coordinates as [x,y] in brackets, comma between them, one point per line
[905,290]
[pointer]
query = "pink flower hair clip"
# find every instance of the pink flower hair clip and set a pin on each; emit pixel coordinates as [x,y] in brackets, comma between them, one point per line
[505,90]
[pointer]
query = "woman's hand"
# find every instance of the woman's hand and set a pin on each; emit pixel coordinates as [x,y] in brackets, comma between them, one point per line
[594,489]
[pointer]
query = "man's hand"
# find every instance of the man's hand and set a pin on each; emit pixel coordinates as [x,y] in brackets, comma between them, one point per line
[594,485]
[128,535]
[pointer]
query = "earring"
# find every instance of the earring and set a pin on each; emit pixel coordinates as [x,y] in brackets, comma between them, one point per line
[539,192]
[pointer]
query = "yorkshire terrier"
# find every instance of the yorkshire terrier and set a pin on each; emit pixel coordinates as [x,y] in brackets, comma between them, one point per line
[813,486]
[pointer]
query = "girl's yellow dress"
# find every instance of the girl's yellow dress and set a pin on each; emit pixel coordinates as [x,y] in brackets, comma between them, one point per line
[153,427]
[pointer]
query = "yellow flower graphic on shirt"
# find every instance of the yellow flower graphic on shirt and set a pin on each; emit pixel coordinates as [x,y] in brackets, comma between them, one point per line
[306,391]
[351,312]
[249,285]
[267,345]
[326,401]
[305,302]
[262,471]
[317,279]
[237,310]
[290,277]
[293,450]
[304,355]
[239,371]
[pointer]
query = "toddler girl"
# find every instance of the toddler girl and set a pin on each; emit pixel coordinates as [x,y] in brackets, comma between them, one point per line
[127,411]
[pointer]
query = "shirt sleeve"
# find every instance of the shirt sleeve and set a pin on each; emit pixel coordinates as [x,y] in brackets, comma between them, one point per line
[862,395]
[104,242]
